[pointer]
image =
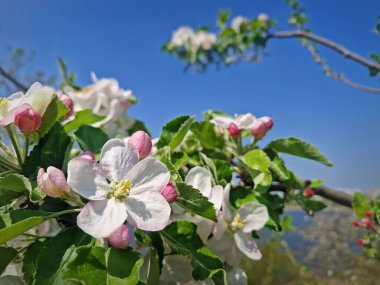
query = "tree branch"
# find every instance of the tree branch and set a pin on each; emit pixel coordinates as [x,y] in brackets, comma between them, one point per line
[327,43]
[333,195]
[12,79]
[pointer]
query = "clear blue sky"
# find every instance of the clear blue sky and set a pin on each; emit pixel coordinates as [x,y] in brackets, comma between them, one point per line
[122,39]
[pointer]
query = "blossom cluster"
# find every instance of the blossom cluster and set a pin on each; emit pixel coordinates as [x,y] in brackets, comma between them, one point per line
[192,40]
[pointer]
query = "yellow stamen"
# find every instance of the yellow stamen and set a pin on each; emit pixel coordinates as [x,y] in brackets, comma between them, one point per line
[238,223]
[3,106]
[122,189]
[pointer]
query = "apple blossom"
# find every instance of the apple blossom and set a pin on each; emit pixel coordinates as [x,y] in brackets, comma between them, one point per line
[233,130]
[181,36]
[263,17]
[308,193]
[142,142]
[120,187]
[368,214]
[366,222]
[244,121]
[52,182]
[28,120]
[261,126]
[120,237]
[237,22]
[202,39]
[169,193]
[69,104]
[88,155]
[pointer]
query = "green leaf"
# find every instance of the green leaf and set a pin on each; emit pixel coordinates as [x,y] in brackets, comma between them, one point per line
[50,151]
[208,134]
[299,148]
[277,165]
[165,157]
[7,254]
[13,186]
[310,204]
[11,280]
[63,245]
[90,138]
[54,111]
[361,204]
[192,200]
[16,222]
[138,126]
[153,267]
[29,262]
[181,236]
[179,159]
[174,132]
[83,117]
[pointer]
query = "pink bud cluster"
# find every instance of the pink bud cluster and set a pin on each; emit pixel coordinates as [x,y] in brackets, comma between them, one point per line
[366,222]
[261,126]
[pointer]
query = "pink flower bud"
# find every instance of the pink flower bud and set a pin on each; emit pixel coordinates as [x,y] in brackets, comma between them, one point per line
[261,126]
[368,214]
[68,102]
[366,222]
[234,130]
[360,242]
[28,120]
[142,142]
[120,237]
[88,155]
[53,182]
[169,193]
[308,193]
[356,224]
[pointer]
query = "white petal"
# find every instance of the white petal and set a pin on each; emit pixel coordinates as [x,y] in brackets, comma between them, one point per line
[226,249]
[247,245]
[149,175]
[101,218]
[200,178]
[245,121]
[117,159]
[255,216]
[216,197]
[222,122]
[227,215]
[204,229]
[86,178]
[220,227]
[148,210]
[237,276]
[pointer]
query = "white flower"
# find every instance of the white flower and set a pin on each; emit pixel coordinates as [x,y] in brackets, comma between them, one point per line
[244,121]
[182,35]
[120,188]
[237,22]
[233,231]
[263,17]
[203,39]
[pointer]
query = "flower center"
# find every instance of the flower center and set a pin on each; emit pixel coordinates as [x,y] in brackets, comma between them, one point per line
[3,106]
[122,189]
[238,223]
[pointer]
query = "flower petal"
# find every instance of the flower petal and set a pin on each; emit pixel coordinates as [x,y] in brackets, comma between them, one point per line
[222,122]
[148,210]
[117,159]
[149,175]
[247,245]
[204,229]
[237,276]
[200,178]
[227,215]
[245,121]
[226,249]
[101,218]
[85,177]
[9,117]
[216,197]
[255,216]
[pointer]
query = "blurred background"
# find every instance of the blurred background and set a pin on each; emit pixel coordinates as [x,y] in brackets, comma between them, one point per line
[123,39]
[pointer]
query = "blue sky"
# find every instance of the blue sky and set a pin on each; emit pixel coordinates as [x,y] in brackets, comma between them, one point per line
[122,39]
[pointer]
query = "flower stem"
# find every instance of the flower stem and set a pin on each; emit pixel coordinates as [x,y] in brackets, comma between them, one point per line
[15,143]
[26,146]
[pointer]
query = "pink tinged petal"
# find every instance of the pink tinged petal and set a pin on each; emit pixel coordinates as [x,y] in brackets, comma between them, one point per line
[117,159]
[199,178]
[148,210]
[216,197]
[245,121]
[220,227]
[142,142]
[86,178]
[222,122]
[149,175]
[255,216]
[247,245]
[101,218]
[53,182]
[57,177]
[120,237]
[10,116]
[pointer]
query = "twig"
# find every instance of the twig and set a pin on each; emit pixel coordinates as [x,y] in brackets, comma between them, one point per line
[12,79]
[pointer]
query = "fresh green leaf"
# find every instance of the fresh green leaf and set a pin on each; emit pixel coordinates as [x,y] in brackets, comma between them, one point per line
[12,186]
[83,117]
[7,254]
[138,126]
[208,134]
[29,262]
[299,148]
[361,204]
[310,204]
[174,132]
[90,138]
[192,200]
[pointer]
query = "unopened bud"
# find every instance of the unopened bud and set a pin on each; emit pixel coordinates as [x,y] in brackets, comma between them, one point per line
[356,224]
[366,222]
[69,104]
[261,126]
[88,155]
[28,120]
[169,193]
[142,142]
[308,193]
[361,242]
[120,237]
[368,214]
[233,130]
[311,213]
[53,182]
